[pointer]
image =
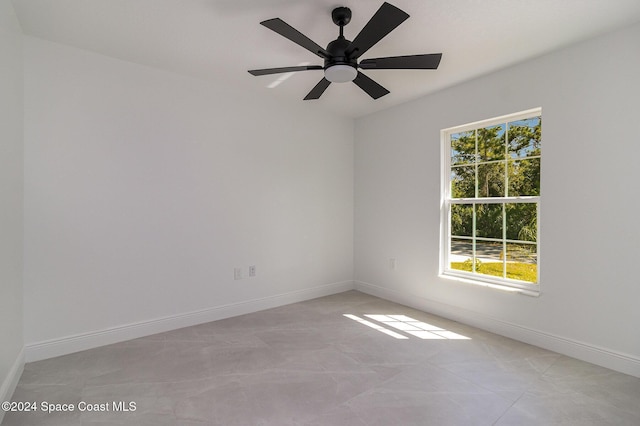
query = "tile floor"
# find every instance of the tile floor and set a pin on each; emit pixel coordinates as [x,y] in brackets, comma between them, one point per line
[309,364]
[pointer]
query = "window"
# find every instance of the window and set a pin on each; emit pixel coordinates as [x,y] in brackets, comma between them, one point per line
[491,201]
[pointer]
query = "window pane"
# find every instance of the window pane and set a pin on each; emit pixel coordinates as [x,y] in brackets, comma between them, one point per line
[524,137]
[489,258]
[491,179]
[463,147]
[463,182]
[494,169]
[522,221]
[462,220]
[522,262]
[461,254]
[489,220]
[491,143]
[524,177]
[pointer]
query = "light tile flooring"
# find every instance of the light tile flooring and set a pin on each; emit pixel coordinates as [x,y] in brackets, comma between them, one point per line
[309,364]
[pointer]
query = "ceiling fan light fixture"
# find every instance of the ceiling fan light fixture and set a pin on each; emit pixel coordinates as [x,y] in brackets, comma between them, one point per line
[340,73]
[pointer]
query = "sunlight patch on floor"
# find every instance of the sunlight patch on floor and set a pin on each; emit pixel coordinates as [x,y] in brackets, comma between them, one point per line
[407,325]
[376,326]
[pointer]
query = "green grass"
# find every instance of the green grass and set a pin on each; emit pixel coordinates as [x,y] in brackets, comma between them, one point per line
[515,270]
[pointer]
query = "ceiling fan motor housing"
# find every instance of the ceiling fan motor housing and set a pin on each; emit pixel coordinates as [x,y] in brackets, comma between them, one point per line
[338,67]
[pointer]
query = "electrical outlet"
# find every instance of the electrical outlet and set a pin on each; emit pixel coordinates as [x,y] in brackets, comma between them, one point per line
[252,270]
[237,273]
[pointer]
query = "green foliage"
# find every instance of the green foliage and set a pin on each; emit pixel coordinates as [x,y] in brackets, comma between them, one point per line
[462,219]
[522,271]
[469,264]
[497,161]
[515,270]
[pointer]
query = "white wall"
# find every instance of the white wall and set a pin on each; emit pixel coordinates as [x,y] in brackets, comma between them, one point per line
[11,191]
[590,281]
[144,189]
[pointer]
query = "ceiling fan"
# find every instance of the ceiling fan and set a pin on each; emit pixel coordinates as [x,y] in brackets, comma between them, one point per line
[341,55]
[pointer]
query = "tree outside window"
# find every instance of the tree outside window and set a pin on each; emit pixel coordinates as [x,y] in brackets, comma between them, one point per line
[492,199]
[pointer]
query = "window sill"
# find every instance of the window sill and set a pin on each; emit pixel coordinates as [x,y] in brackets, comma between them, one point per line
[492,285]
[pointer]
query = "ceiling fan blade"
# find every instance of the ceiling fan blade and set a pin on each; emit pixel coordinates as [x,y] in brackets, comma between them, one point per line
[372,88]
[268,71]
[385,20]
[411,62]
[318,90]
[286,30]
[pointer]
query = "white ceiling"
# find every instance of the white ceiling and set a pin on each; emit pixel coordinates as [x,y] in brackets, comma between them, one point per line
[222,39]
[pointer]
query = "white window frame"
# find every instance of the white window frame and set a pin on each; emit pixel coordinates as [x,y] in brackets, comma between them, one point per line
[501,283]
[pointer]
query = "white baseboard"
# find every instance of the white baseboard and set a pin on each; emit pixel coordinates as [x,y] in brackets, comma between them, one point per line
[11,381]
[590,353]
[69,344]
